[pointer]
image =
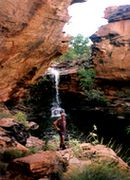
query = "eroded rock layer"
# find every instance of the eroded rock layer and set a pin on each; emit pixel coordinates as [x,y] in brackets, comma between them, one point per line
[111,49]
[31,37]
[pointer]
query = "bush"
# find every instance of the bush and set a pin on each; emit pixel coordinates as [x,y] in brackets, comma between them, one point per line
[87,83]
[5,115]
[21,118]
[79,49]
[102,171]
[87,78]
[51,145]
[75,145]
[96,97]
[10,154]
[128,130]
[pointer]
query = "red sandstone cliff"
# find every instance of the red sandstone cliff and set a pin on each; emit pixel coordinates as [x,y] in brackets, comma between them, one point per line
[31,37]
[111,49]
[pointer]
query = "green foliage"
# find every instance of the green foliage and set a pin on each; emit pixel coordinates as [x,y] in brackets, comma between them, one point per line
[32,150]
[128,130]
[5,115]
[10,154]
[21,118]
[69,55]
[78,49]
[96,97]
[80,45]
[87,83]
[93,136]
[101,171]
[87,78]
[49,145]
[75,145]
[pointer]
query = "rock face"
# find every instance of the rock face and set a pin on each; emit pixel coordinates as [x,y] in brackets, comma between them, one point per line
[37,166]
[31,37]
[49,163]
[111,49]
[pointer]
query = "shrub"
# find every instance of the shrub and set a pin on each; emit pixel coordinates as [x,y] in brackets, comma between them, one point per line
[128,130]
[87,83]
[79,49]
[96,97]
[21,118]
[102,171]
[75,145]
[5,115]
[93,137]
[87,78]
[11,154]
[51,145]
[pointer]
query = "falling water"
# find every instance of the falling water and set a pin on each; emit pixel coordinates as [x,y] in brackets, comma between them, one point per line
[55,110]
[55,74]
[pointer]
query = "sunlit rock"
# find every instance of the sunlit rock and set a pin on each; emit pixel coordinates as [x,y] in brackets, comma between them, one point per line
[111,48]
[31,37]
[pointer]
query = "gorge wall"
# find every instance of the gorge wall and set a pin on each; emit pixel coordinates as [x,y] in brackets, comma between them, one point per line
[111,49]
[31,38]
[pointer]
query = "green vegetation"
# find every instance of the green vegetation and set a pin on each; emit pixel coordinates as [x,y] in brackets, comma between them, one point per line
[128,130]
[75,145]
[5,115]
[101,171]
[87,83]
[51,145]
[87,78]
[10,154]
[79,49]
[21,118]
[93,136]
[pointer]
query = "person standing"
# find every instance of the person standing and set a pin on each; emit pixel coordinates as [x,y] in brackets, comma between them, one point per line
[60,126]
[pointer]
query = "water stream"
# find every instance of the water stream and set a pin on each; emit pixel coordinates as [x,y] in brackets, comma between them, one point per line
[56,108]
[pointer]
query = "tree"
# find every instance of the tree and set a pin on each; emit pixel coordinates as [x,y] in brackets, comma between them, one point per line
[80,45]
[79,49]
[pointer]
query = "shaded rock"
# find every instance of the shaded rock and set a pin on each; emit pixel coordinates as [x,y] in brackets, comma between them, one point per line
[117,13]
[7,142]
[18,132]
[34,142]
[78,1]
[11,131]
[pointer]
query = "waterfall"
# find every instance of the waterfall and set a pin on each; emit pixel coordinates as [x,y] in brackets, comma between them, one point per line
[55,110]
[56,76]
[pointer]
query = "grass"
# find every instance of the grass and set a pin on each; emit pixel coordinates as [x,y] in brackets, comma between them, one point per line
[102,171]
[74,144]
[21,118]
[5,115]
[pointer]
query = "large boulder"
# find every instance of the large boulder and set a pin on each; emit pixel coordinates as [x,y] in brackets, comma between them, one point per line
[39,165]
[64,163]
